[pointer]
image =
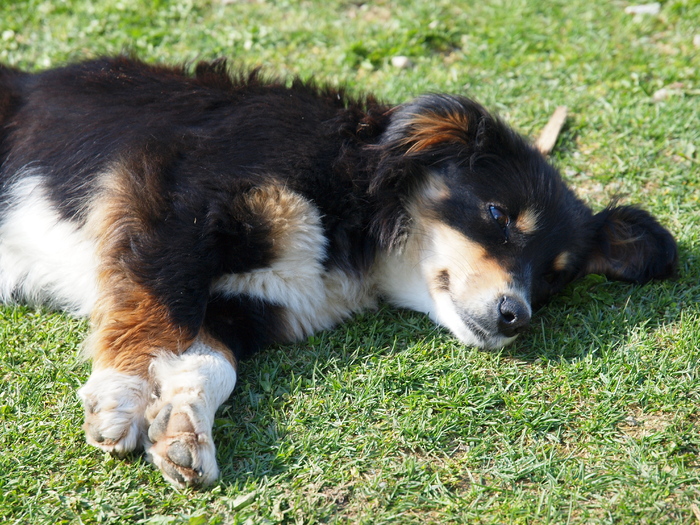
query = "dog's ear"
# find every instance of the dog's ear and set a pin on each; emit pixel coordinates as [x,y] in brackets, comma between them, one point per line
[430,130]
[431,123]
[630,245]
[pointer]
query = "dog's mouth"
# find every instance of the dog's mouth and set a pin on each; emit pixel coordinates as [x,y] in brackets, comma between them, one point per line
[489,338]
[493,323]
[475,326]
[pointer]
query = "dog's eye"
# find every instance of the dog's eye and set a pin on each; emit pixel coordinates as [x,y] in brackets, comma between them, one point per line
[499,216]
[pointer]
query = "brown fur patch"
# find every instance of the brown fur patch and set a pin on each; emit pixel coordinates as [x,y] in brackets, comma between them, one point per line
[282,210]
[129,325]
[429,129]
[129,328]
[470,269]
[561,261]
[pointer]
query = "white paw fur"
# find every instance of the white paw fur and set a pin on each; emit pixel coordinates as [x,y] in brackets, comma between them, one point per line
[114,410]
[191,388]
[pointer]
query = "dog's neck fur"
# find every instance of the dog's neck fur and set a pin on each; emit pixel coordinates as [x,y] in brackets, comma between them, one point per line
[398,277]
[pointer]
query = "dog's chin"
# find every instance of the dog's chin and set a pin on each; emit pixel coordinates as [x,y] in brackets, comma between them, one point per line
[481,339]
[467,328]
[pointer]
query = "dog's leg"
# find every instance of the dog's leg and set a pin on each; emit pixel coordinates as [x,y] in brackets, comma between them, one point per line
[129,328]
[153,386]
[158,378]
[188,390]
[151,300]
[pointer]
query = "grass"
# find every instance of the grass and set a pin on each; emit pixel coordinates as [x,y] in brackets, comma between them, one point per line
[590,418]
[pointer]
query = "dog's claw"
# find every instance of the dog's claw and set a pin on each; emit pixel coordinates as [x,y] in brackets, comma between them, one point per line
[160,424]
[173,474]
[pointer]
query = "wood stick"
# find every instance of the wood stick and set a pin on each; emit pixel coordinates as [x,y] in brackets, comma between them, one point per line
[546,141]
[696,511]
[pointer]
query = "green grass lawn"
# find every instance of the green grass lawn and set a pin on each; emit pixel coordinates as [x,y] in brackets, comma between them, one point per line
[592,417]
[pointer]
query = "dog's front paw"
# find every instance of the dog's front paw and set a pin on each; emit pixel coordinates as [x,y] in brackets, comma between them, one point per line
[180,444]
[114,410]
[188,389]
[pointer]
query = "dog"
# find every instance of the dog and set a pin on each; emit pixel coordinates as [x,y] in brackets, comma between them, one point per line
[197,215]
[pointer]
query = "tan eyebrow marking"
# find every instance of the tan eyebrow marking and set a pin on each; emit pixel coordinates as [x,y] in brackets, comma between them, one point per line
[561,261]
[526,221]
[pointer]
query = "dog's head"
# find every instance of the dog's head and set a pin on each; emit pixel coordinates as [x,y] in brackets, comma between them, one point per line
[480,227]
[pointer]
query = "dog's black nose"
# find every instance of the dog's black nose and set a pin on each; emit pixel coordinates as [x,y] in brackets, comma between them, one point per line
[513,316]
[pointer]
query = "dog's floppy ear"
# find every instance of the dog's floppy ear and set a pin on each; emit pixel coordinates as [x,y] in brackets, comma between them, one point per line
[432,128]
[431,122]
[630,245]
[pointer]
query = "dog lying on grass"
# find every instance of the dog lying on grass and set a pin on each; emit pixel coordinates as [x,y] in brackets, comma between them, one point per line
[197,217]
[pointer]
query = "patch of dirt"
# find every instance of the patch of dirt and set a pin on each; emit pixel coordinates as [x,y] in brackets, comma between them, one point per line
[638,425]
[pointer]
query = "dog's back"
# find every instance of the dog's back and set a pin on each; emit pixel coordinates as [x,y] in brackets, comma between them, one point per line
[10,99]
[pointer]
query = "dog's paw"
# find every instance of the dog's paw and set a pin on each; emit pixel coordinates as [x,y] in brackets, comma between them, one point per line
[114,410]
[180,444]
[188,389]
